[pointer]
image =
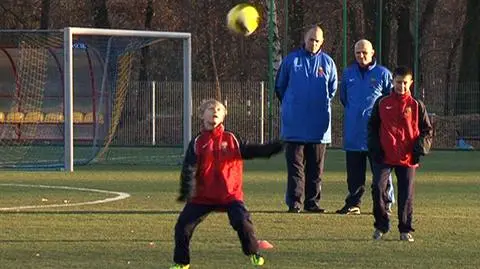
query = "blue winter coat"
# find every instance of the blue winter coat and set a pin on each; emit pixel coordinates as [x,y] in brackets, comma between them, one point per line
[358,92]
[305,85]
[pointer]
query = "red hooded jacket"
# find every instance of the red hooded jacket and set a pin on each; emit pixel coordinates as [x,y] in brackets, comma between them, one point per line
[399,130]
[212,170]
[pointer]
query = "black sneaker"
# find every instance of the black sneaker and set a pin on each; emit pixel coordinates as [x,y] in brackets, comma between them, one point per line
[407,237]
[315,209]
[349,210]
[294,210]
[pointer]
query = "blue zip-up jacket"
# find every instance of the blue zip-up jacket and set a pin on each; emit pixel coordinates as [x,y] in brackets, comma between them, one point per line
[306,84]
[358,92]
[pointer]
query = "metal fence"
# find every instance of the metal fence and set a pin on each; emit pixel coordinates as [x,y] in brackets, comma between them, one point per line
[253,113]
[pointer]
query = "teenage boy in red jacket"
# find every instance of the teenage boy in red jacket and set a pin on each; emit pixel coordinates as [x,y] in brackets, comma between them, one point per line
[399,132]
[211,180]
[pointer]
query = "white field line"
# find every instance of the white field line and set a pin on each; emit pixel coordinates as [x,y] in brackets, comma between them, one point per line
[119,196]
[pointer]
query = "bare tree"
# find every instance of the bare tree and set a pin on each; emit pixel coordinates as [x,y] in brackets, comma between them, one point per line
[370,11]
[297,23]
[100,13]
[447,110]
[405,38]
[18,21]
[211,45]
[468,98]
[45,14]
[144,61]
[212,39]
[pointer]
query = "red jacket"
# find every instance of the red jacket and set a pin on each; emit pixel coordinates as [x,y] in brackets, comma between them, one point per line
[212,170]
[399,130]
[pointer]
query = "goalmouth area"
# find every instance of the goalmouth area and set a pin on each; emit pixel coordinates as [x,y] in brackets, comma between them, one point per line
[68,87]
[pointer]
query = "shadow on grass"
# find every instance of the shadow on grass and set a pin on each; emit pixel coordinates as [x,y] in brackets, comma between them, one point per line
[83,240]
[155,212]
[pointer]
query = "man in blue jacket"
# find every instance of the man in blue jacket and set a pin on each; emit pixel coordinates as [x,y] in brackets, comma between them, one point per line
[305,85]
[362,83]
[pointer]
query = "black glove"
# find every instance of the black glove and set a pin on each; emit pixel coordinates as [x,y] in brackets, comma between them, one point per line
[276,147]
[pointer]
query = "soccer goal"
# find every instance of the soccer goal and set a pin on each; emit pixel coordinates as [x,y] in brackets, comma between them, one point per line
[63,93]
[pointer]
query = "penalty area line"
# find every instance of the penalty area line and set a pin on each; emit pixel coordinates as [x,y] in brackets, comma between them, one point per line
[119,196]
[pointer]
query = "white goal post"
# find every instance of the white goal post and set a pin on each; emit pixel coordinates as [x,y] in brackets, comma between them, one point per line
[69,32]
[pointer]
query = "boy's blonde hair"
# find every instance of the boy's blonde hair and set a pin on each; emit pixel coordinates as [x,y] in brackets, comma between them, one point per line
[208,102]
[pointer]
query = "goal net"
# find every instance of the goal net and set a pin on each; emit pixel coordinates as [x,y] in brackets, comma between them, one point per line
[80,95]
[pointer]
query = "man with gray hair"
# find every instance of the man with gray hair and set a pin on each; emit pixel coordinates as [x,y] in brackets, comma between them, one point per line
[362,83]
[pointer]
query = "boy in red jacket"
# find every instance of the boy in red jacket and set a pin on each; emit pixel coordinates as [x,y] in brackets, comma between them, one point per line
[211,180]
[399,132]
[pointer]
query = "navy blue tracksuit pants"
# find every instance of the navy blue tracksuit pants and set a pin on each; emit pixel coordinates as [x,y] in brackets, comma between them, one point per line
[193,214]
[406,189]
[356,162]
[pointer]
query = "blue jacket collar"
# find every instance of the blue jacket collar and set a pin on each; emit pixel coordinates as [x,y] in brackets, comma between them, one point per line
[370,67]
[307,53]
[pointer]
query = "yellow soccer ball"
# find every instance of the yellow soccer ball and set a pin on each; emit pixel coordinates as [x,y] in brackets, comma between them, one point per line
[243,19]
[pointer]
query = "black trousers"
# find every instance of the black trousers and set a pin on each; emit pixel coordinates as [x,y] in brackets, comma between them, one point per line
[406,189]
[356,162]
[193,214]
[305,163]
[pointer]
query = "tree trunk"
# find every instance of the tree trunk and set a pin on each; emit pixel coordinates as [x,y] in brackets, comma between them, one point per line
[296,18]
[100,13]
[468,98]
[384,45]
[447,110]
[218,92]
[353,19]
[369,10]
[405,50]
[144,77]
[211,37]
[45,14]
[427,14]
[144,62]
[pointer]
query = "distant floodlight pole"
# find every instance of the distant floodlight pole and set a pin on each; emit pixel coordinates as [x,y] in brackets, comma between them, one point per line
[379,26]
[285,35]
[344,34]
[415,60]
[270,70]
[262,115]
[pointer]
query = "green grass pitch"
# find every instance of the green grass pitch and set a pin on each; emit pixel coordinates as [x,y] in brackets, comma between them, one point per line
[137,232]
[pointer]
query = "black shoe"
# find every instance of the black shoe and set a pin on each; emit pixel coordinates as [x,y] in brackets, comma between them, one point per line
[349,210]
[294,210]
[315,209]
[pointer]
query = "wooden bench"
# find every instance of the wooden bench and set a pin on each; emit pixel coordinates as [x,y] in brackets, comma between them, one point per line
[36,125]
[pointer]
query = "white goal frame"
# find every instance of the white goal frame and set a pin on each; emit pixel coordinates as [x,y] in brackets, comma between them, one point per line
[69,32]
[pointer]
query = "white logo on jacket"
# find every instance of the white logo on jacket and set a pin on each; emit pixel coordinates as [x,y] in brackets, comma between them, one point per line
[297,64]
[224,145]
